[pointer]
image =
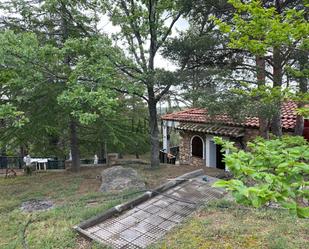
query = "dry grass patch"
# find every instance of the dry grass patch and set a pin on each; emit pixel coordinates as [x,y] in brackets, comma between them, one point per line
[229,226]
[76,198]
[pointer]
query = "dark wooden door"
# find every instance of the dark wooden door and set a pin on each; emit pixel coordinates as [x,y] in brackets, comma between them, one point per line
[220,157]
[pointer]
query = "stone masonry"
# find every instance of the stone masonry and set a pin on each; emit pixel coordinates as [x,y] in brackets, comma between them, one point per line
[185,149]
[185,145]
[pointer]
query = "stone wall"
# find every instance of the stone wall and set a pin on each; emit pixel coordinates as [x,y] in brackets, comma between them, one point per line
[185,149]
[197,161]
[250,134]
[185,145]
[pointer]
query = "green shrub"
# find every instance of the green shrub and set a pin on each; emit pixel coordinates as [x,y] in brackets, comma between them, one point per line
[269,171]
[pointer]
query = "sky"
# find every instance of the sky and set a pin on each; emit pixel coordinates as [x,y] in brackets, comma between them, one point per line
[181,25]
[107,27]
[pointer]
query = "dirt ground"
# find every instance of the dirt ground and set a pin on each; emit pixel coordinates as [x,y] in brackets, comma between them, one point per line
[152,177]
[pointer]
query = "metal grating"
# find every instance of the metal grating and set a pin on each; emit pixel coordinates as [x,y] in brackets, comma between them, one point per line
[151,220]
[143,241]
[130,235]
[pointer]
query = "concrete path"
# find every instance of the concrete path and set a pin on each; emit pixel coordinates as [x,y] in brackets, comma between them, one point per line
[150,221]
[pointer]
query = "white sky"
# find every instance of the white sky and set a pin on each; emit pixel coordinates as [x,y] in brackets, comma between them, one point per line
[181,25]
[106,26]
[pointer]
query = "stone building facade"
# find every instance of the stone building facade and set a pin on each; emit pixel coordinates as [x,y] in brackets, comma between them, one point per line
[197,130]
[185,146]
[185,154]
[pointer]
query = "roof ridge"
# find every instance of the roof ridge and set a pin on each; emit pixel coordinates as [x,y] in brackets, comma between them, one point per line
[288,118]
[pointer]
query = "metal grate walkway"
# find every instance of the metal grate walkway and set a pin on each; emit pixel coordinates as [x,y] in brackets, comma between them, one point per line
[148,222]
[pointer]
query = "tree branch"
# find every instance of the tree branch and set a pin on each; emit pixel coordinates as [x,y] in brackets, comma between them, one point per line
[135,31]
[113,88]
[169,30]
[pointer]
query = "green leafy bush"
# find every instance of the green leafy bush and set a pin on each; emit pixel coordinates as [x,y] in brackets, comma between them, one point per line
[270,171]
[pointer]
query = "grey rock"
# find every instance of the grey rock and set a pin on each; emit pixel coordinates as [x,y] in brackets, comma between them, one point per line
[36,205]
[118,178]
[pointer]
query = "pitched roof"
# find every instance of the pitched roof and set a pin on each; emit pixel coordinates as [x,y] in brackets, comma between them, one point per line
[199,115]
[215,129]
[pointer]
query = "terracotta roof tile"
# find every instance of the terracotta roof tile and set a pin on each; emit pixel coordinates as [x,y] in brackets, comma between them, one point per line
[215,129]
[198,115]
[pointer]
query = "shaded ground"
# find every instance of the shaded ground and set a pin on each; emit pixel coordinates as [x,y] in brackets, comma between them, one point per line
[75,197]
[228,226]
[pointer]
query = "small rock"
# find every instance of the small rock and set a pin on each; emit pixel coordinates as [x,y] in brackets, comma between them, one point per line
[119,178]
[36,205]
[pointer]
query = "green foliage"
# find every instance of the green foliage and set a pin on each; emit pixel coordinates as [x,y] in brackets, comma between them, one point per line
[87,105]
[303,111]
[124,131]
[42,92]
[10,115]
[270,170]
[63,69]
[275,34]
[257,28]
[209,63]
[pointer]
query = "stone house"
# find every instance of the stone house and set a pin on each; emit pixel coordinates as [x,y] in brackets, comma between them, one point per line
[197,130]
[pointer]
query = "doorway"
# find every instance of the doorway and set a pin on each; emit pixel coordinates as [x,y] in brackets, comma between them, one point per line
[220,164]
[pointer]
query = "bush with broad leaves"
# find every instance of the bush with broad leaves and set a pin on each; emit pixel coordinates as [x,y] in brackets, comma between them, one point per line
[269,171]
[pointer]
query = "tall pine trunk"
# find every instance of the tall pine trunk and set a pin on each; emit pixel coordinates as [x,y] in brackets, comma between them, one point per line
[276,125]
[152,100]
[154,129]
[74,146]
[303,88]
[299,126]
[72,125]
[261,79]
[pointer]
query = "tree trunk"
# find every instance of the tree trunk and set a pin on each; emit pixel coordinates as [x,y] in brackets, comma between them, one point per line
[74,147]
[154,130]
[22,151]
[136,155]
[299,126]
[261,79]
[152,101]
[102,151]
[72,126]
[264,127]
[303,88]
[22,154]
[276,126]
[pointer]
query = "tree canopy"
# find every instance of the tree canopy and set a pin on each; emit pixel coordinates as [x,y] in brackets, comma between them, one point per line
[68,86]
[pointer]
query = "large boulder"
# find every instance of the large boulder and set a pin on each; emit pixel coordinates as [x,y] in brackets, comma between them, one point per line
[118,178]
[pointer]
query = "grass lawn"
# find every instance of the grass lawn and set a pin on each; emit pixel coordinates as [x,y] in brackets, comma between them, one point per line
[76,197]
[223,225]
[226,225]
